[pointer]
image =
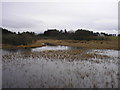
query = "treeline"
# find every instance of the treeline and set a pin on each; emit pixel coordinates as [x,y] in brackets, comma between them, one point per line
[79,34]
[13,38]
[25,38]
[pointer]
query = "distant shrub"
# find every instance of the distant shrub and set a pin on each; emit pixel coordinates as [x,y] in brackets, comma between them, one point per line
[17,39]
[25,38]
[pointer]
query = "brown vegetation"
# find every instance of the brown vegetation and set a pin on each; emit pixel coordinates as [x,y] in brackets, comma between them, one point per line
[69,55]
[112,43]
[93,44]
[6,46]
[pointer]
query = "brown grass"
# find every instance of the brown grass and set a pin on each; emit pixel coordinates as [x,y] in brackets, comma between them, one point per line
[20,46]
[70,55]
[94,44]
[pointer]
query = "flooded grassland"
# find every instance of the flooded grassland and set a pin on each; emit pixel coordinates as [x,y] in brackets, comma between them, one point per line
[60,67]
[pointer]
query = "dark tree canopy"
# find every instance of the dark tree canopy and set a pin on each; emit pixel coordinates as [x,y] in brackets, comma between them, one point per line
[52,32]
[25,38]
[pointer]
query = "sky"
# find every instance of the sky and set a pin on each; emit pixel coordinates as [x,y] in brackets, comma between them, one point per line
[38,16]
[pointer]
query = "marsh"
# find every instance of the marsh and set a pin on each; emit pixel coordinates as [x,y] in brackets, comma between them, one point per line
[60,66]
[60,44]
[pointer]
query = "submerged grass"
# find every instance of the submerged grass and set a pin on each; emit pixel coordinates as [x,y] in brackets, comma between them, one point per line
[69,55]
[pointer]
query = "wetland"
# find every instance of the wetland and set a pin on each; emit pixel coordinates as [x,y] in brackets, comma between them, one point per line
[59,59]
[60,67]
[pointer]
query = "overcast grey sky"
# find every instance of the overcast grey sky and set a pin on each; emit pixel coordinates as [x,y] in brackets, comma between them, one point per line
[96,15]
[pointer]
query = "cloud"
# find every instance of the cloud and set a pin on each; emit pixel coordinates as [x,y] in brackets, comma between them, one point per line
[61,1]
[106,24]
[17,24]
[93,14]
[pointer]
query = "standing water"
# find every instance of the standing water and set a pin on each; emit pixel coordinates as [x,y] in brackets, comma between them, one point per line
[23,69]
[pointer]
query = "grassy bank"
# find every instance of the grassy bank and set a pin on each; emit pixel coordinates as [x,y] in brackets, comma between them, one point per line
[93,44]
[6,46]
[112,43]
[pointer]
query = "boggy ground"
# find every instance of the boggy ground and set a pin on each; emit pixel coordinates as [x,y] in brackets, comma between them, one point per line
[93,44]
[111,43]
[7,46]
[68,55]
[60,69]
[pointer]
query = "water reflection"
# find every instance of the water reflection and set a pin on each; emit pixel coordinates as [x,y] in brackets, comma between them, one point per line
[112,53]
[37,72]
[54,48]
[44,48]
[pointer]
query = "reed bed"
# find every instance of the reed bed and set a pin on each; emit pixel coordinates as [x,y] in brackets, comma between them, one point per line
[93,44]
[58,69]
[68,55]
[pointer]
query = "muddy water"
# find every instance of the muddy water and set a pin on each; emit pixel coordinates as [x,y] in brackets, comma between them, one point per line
[34,72]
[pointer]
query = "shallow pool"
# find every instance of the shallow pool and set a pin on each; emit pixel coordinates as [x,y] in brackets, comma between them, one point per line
[20,71]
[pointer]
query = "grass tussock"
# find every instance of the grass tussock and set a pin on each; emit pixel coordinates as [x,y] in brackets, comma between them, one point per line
[6,46]
[93,44]
[70,55]
[111,43]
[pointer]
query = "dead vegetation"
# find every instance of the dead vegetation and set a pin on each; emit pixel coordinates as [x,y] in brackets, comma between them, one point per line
[93,44]
[69,55]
